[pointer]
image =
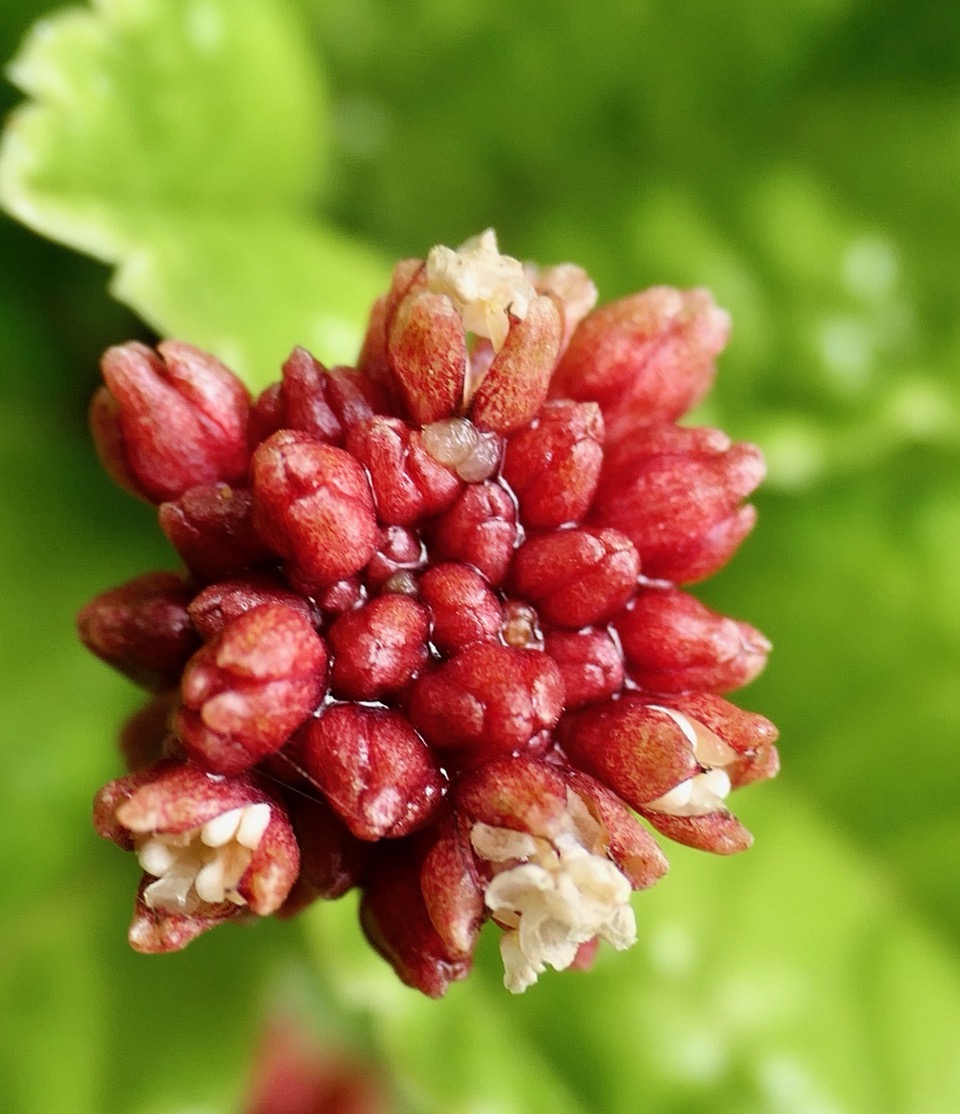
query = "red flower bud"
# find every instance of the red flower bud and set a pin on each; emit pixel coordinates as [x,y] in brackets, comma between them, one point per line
[373,768]
[576,577]
[676,495]
[379,648]
[247,691]
[489,697]
[590,663]
[451,886]
[211,848]
[464,609]
[211,527]
[515,385]
[646,358]
[221,603]
[343,595]
[312,504]
[672,643]
[141,628]
[395,920]
[480,529]
[169,420]
[553,465]
[325,404]
[408,483]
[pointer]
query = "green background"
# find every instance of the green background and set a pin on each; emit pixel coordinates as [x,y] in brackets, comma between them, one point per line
[243,174]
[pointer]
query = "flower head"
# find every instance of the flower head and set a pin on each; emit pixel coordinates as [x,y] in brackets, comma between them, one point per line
[431,639]
[211,848]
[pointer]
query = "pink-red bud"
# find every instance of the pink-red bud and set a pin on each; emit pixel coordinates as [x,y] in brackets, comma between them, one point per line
[211,527]
[221,603]
[553,465]
[590,663]
[676,494]
[673,643]
[325,404]
[379,648]
[142,628]
[170,420]
[247,691]
[490,698]
[374,769]
[395,920]
[576,577]
[646,358]
[463,608]
[408,483]
[313,505]
[480,529]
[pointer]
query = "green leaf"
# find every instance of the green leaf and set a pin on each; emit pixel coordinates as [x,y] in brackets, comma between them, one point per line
[786,979]
[149,144]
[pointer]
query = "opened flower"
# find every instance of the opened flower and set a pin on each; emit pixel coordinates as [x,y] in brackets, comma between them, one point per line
[432,638]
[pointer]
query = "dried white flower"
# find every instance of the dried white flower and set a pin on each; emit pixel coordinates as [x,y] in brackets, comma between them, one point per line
[201,865]
[482,284]
[551,896]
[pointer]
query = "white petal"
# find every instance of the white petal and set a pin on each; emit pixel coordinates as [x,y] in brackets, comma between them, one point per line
[209,882]
[253,824]
[155,857]
[216,832]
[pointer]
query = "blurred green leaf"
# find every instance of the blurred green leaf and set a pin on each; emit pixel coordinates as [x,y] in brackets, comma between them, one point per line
[148,143]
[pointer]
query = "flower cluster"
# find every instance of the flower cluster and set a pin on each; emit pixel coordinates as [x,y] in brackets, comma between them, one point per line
[430,639]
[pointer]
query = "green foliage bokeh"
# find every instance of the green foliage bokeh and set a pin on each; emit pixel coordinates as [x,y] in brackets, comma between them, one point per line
[800,159]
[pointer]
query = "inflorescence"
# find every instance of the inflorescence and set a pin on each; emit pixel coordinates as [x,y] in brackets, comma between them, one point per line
[430,639]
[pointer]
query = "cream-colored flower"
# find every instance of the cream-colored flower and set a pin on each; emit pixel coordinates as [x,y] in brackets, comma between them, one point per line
[482,284]
[551,896]
[202,865]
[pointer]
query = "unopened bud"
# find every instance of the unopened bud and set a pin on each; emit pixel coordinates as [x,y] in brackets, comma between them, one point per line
[211,527]
[312,503]
[676,493]
[373,768]
[170,420]
[673,643]
[142,628]
[480,529]
[647,358]
[247,691]
[576,577]
[553,466]
[489,698]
